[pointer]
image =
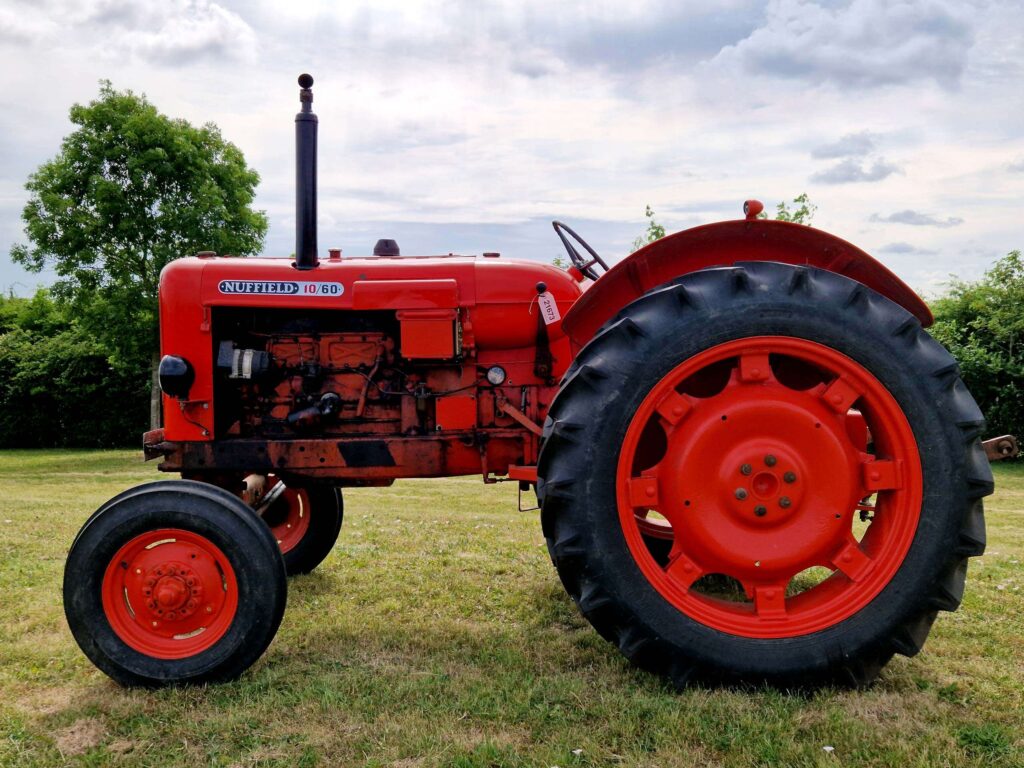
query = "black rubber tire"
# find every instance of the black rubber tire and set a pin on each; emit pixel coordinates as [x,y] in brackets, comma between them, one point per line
[204,509]
[611,376]
[326,512]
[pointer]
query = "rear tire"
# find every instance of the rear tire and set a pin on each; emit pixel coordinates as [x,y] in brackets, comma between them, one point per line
[174,582]
[602,463]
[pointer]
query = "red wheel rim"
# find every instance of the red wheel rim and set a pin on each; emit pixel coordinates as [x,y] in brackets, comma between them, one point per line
[288,515]
[756,453]
[170,593]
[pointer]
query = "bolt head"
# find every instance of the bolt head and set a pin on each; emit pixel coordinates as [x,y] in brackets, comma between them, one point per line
[741,493]
[746,469]
[760,510]
[770,460]
[785,502]
[789,477]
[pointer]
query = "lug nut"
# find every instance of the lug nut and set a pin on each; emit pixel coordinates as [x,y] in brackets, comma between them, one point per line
[760,510]
[746,469]
[770,460]
[789,477]
[741,493]
[785,502]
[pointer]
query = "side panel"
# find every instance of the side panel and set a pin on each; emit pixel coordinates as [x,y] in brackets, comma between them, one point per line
[723,244]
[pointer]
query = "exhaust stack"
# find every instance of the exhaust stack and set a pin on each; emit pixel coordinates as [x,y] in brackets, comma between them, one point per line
[305,178]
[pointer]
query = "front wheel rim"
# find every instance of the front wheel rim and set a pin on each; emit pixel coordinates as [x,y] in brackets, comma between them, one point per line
[170,593]
[760,455]
[288,516]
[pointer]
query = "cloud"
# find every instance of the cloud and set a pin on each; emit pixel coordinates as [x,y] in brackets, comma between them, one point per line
[860,44]
[23,27]
[916,219]
[850,145]
[618,40]
[168,32]
[187,31]
[853,170]
[1017,166]
[906,249]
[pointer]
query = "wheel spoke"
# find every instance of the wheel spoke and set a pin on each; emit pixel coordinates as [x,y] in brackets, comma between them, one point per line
[881,475]
[770,600]
[840,395]
[754,367]
[683,571]
[852,561]
[643,491]
[673,408]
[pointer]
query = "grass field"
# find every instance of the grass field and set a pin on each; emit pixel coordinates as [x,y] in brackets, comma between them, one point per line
[437,633]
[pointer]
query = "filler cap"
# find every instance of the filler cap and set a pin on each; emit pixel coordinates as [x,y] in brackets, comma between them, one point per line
[386,248]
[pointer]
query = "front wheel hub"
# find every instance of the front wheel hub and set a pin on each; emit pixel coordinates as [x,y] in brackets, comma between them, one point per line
[170,593]
[756,454]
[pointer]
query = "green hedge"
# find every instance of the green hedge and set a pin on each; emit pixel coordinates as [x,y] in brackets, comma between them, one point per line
[58,388]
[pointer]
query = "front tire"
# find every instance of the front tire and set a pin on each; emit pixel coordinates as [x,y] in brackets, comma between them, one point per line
[174,582]
[763,410]
[305,522]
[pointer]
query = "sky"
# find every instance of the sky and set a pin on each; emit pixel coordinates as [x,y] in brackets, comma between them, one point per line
[467,126]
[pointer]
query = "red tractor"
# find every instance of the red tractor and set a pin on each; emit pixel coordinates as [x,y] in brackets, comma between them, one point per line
[751,460]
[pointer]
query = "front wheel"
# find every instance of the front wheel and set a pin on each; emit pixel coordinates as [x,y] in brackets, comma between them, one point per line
[784,483]
[305,522]
[174,582]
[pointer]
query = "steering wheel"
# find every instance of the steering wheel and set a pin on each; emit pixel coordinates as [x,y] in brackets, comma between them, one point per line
[585,266]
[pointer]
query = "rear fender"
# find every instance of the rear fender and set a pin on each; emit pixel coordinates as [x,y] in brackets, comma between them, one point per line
[722,244]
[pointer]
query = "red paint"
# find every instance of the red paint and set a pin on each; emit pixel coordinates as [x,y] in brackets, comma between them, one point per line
[405,294]
[760,481]
[724,243]
[429,334]
[170,593]
[456,412]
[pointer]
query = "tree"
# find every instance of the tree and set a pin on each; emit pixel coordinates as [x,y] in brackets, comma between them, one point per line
[982,324]
[800,215]
[654,231]
[130,191]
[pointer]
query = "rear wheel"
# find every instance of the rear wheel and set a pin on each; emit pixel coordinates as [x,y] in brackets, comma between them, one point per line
[174,582]
[755,505]
[305,522]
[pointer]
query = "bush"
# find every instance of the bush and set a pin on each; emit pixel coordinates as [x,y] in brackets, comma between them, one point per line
[982,324]
[58,387]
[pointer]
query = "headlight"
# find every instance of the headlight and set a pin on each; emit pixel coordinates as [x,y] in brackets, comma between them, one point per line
[175,376]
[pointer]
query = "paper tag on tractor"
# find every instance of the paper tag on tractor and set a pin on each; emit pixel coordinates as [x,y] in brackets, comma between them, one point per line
[548,308]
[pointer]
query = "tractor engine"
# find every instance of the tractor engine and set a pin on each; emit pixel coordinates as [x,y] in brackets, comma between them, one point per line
[285,374]
[383,367]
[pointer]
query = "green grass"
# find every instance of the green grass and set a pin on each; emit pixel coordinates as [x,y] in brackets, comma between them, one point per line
[437,633]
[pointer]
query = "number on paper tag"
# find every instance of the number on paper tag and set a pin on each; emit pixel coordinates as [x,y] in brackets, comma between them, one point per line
[548,308]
